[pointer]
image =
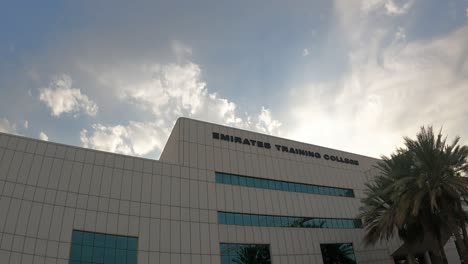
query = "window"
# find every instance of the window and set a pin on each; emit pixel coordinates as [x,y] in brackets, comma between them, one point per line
[286,221]
[338,253]
[226,178]
[245,254]
[95,248]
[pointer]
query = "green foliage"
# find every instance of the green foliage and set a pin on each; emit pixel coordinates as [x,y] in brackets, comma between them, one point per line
[418,190]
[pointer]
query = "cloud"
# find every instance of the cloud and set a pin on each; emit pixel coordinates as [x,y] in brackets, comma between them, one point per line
[165,92]
[26,124]
[389,91]
[391,7]
[61,98]
[395,9]
[305,52]
[267,124]
[136,138]
[7,127]
[43,136]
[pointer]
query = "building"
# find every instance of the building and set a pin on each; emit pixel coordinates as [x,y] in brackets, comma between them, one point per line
[217,193]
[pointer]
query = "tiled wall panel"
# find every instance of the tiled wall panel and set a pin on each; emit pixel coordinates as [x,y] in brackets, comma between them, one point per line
[48,189]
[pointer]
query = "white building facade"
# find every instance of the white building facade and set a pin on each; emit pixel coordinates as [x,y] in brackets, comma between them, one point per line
[217,195]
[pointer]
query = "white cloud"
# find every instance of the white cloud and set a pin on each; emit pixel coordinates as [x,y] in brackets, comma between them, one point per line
[266,123]
[43,136]
[305,52]
[164,93]
[391,7]
[389,91]
[370,5]
[62,98]
[7,127]
[400,35]
[395,9]
[136,138]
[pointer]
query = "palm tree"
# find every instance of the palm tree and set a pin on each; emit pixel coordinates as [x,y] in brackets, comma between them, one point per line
[438,182]
[420,186]
[379,212]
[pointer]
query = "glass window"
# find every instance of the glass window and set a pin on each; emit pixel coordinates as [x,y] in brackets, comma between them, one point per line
[284,221]
[227,179]
[121,242]
[255,220]
[285,186]
[281,185]
[246,219]
[221,218]
[250,182]
[264,184]
[277,220]
[340,223]
[281,221]
[271,185]
[338,253]
[98,256]
[90,247]
[234,180]
[320,190]
[263,220]
[341,192]
[270,221]
[245,253]
[258,183]
[297,187]
[315,189]
[219,178]
[238,219]
[88,238]
[278,185]
[99,240]
[357,223]
[243,181]
[325,190]
[77,237]
[230,220]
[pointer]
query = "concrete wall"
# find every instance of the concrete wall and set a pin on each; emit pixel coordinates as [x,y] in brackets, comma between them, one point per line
[48,189]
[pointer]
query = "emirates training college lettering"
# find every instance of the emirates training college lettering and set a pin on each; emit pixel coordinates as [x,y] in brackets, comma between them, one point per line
[267,145]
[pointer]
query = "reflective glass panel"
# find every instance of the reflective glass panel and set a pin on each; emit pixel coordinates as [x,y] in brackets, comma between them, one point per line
[342,253]
[286,221]
[95,248]
[225,178]
[245,254]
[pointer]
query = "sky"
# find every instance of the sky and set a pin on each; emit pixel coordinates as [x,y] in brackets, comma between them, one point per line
[355,75]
